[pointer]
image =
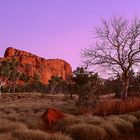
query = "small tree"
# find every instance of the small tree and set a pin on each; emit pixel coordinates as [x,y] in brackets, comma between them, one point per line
[36,77]
[112,85]
[4,73]
[14,75]
[117,48]
[56,84]
[9,72]
[86,86]
[24,77]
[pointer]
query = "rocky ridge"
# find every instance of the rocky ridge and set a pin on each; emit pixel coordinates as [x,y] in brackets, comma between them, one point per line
[31,64]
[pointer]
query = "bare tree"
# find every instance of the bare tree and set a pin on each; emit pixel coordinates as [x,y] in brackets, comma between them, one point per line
[117,48]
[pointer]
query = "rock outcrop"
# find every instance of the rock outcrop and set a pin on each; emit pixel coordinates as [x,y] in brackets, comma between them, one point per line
[31,64]
[11,52]
[52,116]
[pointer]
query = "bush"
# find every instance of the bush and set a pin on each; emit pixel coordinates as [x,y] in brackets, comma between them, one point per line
[87,86]
[35,86]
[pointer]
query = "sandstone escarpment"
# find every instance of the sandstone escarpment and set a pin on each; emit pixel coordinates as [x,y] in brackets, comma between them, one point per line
[31,64]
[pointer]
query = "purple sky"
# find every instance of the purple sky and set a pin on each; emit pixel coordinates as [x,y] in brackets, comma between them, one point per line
[57,28]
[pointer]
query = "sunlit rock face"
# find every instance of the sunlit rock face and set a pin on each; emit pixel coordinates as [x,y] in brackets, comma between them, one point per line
[31,64]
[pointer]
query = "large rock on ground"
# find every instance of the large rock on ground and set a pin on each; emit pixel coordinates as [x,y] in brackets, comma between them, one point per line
[52,116]
[31,64]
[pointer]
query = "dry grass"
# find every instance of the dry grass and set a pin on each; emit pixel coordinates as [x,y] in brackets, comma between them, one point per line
[63,124]
[93,120]
[29,135]
[20,119]
[6,136]
[122,125]
[136,114]
[34,122]
[137,124]
[110,130]
[38,135]
[7,126]
[129,118]
[59,136]
[117,106]
[86,132]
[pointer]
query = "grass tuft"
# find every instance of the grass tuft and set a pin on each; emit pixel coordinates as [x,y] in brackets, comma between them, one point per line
[7,126]
[30,135]
[86,132]
[129,118]
[59,136]
[110,130]
[67,121]
[121,125]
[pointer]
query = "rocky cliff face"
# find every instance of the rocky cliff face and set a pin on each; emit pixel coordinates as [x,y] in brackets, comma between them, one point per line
[31,64]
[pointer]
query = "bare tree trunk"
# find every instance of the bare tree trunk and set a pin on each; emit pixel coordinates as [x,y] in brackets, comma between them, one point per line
[0,89]
[14,87]
[125,89]
[9,90]
[1,84]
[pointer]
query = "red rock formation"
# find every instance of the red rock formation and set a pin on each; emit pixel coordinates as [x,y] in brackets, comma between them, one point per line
[11,52]
[51,116]
[31,64]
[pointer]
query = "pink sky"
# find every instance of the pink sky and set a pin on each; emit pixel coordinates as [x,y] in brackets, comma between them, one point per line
[57,28]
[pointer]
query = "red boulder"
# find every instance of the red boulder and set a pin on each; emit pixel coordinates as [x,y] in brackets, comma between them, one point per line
[51,116]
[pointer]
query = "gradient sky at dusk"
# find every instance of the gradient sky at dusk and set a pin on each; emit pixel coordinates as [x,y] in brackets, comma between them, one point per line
[57,28]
